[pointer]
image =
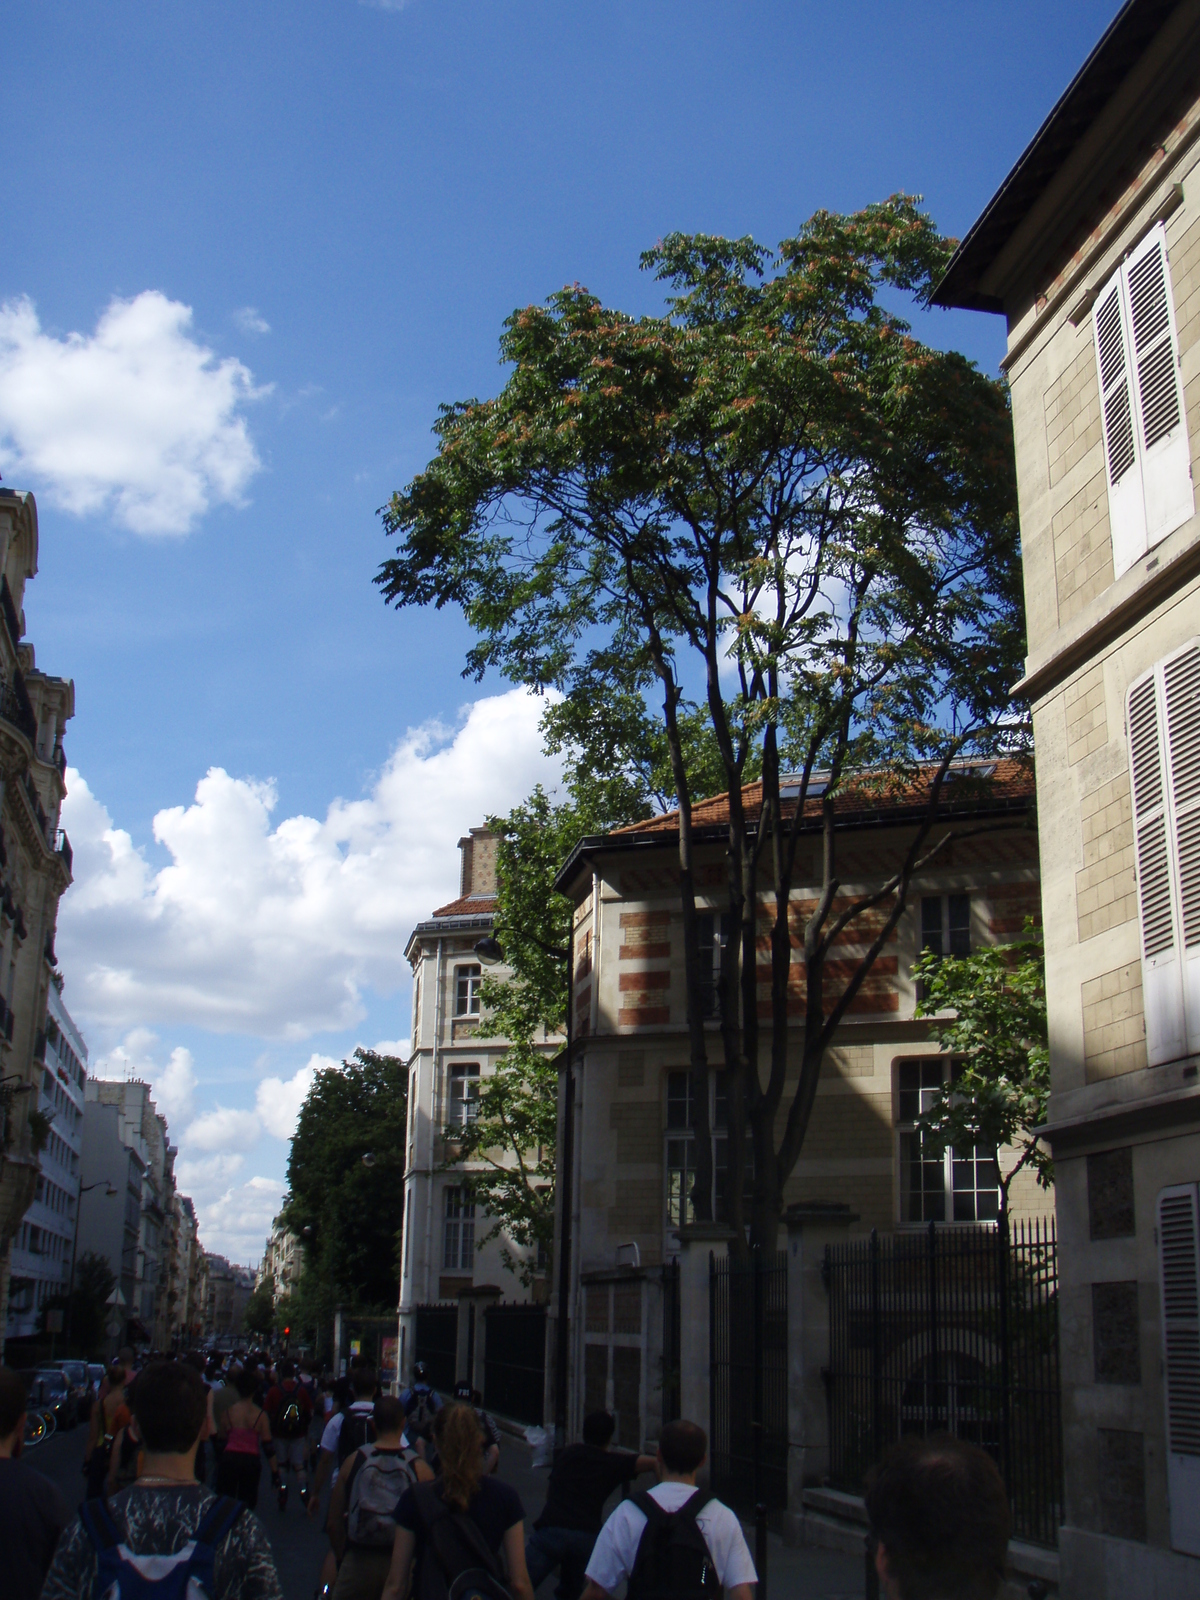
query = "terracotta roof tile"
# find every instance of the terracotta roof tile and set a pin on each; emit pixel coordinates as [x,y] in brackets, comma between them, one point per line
[469,905]
[1012,780]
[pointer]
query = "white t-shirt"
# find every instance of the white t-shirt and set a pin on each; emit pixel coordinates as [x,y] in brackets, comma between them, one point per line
[333,1428]
[616,1546]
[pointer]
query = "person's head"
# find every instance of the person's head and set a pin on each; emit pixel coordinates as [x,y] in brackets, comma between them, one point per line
[420,1373]
[13,1396]
[940,1517]
[682,1447]
[389,1418]
[245,1382]
[459,1440]
[125,1356]
[598,1427]
[462,1391]
[363,1382]
[170,1407]
[286,1370]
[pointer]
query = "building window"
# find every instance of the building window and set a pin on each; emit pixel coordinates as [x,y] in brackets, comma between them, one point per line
[464,1093]
[939,1186]
[713,931]
[681,1148]
[946,924]
[458,1253]
[468,981]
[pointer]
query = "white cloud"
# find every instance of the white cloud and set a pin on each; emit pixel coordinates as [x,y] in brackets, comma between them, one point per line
[275,930]
[250,320]
[279,1102]
[137,419]
[174,1083]
[234,1218]
[393,1047]
[224,1129]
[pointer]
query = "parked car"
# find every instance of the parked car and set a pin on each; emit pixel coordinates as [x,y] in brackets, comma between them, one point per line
[95,1371]
[76,1374]
[50,1391]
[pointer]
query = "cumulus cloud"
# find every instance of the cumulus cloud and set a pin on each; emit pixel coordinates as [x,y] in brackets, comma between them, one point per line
[278,1101]
[250,320]
[173,1081]
[274,928]
[234,1218]
[224,1129]
[137,419]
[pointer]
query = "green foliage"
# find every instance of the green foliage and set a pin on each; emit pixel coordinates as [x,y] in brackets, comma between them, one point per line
[988,1010]
[353,1212]
[259,1315]
[87,1304]
[766,533]
[38,1123]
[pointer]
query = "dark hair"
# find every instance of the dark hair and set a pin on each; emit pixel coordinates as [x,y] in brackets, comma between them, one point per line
[13,1396]
[170,1404]
[287,1369]
[389,1414]
[117,1375]
[363,1382]
[598,1428]
[683,1446]
[938,1508]
[245,1382]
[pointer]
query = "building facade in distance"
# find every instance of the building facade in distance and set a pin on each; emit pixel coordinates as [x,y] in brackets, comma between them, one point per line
[1091,250]
[35,866]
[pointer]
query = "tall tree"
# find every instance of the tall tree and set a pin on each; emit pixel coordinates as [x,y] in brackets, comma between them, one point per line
[776,499]
[348,1212]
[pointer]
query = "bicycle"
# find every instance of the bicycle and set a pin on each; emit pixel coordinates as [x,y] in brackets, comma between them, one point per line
[39,1426]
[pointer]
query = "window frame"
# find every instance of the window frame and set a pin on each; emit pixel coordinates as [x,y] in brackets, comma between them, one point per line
[679,1137]
[904,1129]
[468,1075]
[470,975]
[458,1224]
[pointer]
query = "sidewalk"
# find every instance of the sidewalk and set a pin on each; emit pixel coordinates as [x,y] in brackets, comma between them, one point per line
[805,1573]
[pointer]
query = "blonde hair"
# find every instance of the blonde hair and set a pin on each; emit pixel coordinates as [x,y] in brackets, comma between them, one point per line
[459,1440]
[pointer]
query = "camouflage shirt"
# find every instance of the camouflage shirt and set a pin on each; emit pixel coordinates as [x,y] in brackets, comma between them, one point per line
[160,1521]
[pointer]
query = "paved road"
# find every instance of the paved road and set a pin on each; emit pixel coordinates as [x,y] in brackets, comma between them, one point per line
[300,1545]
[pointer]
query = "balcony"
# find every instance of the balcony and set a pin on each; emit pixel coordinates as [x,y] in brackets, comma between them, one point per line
[11,621]
[63,846]
[39,809]
[15,707]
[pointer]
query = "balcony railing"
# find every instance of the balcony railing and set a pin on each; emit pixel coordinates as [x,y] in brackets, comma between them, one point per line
[15,706]
[63,845]
[39,809]
[11,621]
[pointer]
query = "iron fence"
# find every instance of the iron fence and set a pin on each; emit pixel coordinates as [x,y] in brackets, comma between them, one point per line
[950,1330]
[514,1361]
[748,1401]
[436,1342]
[672,1344]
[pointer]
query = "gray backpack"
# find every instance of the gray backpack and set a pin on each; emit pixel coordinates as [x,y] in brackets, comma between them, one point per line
[378,1481]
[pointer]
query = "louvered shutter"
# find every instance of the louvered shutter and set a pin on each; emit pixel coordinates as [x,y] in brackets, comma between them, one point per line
[1162,978]
[1181,680]
[1126,501]
[1179,1276]
[1161,427]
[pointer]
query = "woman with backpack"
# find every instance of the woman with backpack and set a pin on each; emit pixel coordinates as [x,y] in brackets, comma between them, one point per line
[456,1527]
[244,1430]
[362,1508]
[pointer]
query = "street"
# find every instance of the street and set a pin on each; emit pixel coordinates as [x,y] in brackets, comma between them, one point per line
[300,1545]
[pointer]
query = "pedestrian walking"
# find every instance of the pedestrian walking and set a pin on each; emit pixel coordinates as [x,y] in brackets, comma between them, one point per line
[939,1519]
[362,1508]
[193,1537]
[246,1430]
[32,1512]
[289,1406]
[675,1539]
[581,1480]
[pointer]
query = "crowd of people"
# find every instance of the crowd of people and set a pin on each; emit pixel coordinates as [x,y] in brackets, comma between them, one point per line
[417,1510]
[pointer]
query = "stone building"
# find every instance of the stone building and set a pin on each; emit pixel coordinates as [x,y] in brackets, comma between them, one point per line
[43,1251]
[1091,251]
[440,1254]
[181,1295]
[282,1262]
[35,865]
[632,1159]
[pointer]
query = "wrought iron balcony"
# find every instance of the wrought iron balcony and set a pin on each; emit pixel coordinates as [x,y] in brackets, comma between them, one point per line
[11,621]
[63,845]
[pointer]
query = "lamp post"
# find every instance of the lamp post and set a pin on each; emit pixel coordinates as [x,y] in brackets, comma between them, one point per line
[110,1193]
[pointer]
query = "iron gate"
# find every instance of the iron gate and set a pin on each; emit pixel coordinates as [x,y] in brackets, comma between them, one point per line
[437,1343]
[748,1400]
[953,1329]
[672,1345]
[514,1361]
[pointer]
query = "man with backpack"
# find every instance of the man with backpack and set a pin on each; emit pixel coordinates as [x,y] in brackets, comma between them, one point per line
[289,1406]
[167,1535]
[676,1539]
[362,1508]
[346,1431]
[421,1405]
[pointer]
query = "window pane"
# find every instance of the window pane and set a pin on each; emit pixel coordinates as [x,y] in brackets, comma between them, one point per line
[681,1111]
[466,998]
[960,924]
[464,1093]
[976,1188]
[931,924]
[680,1176]
[922,1181]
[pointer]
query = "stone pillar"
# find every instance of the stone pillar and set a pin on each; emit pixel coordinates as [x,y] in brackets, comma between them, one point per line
[486,1295]
[809,1229]
[698,1240]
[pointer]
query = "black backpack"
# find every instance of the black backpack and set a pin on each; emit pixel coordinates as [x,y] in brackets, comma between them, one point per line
[673,1562]
[357,1429]
[456,1561]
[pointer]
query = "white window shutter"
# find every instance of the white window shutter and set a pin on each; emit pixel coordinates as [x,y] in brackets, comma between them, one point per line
[1126,501]
[1181,681]
[1179,1277]
[1161,424]
[1162,978]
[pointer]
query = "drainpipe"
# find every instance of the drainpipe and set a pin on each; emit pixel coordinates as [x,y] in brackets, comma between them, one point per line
[566,1187]
[434,1101]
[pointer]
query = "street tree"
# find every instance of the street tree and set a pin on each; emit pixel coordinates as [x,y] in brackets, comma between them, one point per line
[988,1010]
[779,531]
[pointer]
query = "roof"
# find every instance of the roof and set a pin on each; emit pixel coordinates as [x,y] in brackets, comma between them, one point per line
[1002,786]
[1112,60]
[469,905]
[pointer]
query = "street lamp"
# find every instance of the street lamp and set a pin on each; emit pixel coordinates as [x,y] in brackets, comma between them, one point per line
[489,951]
[110,1193]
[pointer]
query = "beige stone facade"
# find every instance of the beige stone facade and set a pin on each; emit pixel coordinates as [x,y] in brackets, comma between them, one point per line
[1103,216]
[35,863]
[633,1152]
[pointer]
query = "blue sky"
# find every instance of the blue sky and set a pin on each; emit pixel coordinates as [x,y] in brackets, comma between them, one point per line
[248,251]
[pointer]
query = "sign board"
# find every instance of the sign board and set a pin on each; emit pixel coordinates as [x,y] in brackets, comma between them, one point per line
[355,1348]
[387,1354]
[112,1329]
[54,1322]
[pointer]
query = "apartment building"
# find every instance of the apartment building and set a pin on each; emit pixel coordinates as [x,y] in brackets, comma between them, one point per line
[282,1262]
[110,1207]
[632,1156]
[35,870]
[452,1052]
[1091,251]
[43,1250]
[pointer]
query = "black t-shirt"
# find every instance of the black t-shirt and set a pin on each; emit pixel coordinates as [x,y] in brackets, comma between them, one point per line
[494,1510]
[32,1515]
[581,1480]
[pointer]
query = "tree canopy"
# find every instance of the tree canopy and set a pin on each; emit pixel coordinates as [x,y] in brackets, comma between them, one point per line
[766,533]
